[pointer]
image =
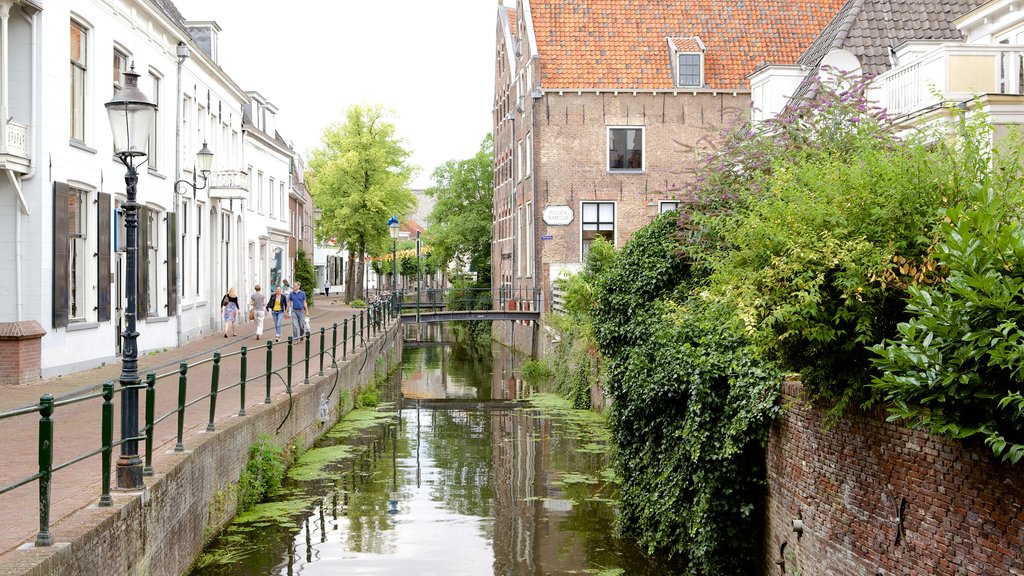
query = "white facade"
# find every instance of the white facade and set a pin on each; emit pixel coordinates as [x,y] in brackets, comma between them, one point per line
[61,187]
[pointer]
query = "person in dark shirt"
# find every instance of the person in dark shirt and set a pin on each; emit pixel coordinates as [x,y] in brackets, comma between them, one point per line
[297,303]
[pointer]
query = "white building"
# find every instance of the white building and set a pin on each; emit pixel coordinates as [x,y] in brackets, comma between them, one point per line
[61,188]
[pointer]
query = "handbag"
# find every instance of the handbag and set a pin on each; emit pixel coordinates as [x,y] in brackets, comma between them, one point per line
[252,314]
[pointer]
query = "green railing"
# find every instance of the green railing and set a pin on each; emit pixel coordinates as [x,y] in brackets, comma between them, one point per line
[372,321]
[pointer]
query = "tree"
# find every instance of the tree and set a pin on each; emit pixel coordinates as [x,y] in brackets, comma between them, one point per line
[359,177]
[305,274]
[460,223]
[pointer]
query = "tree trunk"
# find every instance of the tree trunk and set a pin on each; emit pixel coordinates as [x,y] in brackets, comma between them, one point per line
[350,278]
[361,285]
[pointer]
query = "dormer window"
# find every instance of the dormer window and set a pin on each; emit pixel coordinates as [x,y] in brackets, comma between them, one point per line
[687,61]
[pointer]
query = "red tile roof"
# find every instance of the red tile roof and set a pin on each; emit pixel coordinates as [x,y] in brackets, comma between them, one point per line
[621,43]
[512,21]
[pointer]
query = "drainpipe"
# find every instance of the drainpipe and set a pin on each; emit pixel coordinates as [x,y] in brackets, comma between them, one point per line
[538,302]
[512,273]
[33,22]
[183,54]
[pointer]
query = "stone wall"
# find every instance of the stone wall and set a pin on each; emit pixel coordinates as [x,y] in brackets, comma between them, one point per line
[161,531]
[875,498]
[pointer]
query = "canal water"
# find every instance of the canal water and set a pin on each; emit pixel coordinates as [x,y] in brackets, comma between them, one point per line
[459,470]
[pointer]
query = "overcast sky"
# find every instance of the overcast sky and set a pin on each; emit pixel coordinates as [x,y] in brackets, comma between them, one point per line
[431,62]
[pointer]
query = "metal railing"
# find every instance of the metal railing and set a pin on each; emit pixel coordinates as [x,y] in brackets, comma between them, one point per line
[372,321]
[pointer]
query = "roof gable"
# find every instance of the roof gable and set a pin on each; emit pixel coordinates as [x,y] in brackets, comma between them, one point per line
[621,43]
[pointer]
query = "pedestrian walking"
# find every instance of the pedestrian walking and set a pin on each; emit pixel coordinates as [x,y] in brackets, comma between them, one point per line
[278,307]
[258,303]
[297,305]
[229,309]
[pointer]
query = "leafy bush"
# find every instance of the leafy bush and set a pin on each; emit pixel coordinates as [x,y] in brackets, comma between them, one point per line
[957,366]
[819,222]
[357,303]
[262,475]
[691,405]
[536,372]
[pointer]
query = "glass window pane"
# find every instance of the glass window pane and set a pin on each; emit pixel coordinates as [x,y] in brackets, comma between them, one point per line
[607,212]
[78,44]
[589,212]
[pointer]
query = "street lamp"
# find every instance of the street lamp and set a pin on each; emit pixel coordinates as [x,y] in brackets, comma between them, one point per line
[204,162]
[131,117]
[393,229]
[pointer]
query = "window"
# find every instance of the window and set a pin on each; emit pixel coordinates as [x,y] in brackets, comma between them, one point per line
[530,261]
[691,69]
[152,263]
[271,201]
[77,253]
[185,271]
[667,206]
[199,247]
[120,67]
[598,220]
[154,134]
[519,241]
[79,42]
[280,198]
[259,192]
[626,149]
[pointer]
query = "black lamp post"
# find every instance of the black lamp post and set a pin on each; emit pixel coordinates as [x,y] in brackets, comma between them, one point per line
[393,229]
[131,117]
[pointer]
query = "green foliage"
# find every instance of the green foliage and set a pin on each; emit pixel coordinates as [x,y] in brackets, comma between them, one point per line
[691,406]
[357,303]
[957,366]
[359,177]
[305,274]
[262,475]
[460,223]
[536,372]
[818,222]
[369,397]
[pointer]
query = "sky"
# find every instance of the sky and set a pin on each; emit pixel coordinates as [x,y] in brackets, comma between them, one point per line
[430,62]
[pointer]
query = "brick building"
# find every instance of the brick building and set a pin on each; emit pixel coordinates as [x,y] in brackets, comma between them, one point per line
[603,110]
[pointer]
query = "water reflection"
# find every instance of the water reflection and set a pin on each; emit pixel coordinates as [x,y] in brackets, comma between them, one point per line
[455,483]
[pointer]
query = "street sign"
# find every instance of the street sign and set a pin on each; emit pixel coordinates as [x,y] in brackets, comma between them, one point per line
[547,237]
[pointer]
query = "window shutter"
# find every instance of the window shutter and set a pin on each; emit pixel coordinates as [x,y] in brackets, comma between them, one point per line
[142,269]
[61,253]
[172,264]
[103,246]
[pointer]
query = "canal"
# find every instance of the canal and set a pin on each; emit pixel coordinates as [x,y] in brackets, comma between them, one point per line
[458,469]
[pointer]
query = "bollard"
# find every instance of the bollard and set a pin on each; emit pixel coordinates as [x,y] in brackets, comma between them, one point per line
[107,441]
[290,349]
[214,382]
[147,469]
[241,384]
[306,379]
[344,340]
[43,538]
[334,345]
[270,367]
[182,384]
[322,349]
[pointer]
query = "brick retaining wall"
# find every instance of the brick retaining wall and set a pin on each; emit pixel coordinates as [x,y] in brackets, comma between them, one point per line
[162,530]
[962,510]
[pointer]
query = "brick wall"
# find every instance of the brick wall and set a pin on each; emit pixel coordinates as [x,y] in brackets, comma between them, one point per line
[161,531]
[962,511]
[20,351]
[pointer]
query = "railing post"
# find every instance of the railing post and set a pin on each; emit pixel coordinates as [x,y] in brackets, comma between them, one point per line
[362,325]
[182,385]
[147,469]
[323,349]
[306,379]
[214,383]
[334,345]
[344,340]
[43,538]
[270,367]
[291,343]
[242,379]
[353,333]
[107,440]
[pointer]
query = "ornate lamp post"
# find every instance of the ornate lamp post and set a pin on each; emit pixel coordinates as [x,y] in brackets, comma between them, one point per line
[131,117]
[204,162]
[393,229]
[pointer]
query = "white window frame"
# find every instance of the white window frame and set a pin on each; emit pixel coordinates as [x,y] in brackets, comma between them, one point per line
[78,244]
[643,151]
[78,127]
[530,256]
[153,153]
[679,69]
[519,241]
[152,247]
[615,226]
[271,191]
[667,206]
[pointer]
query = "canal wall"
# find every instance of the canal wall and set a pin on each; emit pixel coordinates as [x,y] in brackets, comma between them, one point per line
[162,530]
[871,498]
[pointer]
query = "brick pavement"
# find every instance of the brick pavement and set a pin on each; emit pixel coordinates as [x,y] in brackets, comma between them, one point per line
[77,426]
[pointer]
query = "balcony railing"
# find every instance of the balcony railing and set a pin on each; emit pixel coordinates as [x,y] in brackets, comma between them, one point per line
[17,140]
[229,184]
[951,72]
